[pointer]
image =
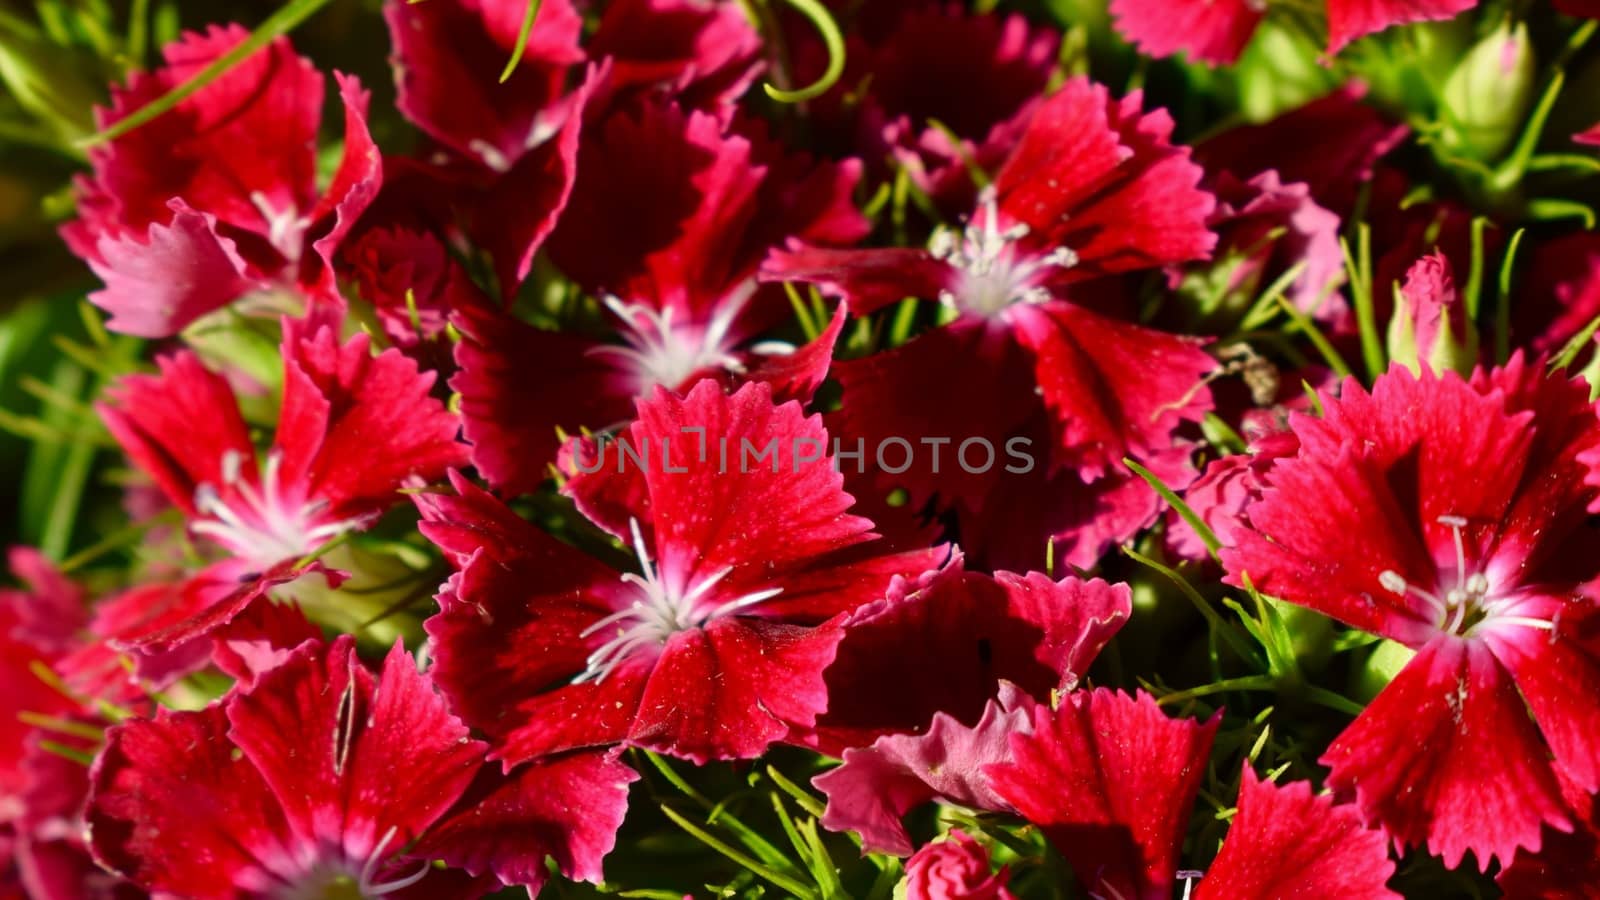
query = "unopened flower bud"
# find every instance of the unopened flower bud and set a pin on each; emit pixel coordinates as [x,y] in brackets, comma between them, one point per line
[954,869]
[1487,95]
[1430,322]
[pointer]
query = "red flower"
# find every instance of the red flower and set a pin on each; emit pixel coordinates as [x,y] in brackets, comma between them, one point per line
[716,648]
[1214,32]
[324,775]
[1111,781]
[218,197]
[1288,842]
[353,429]
[677,277]
[1450,516]
[1092,188]
[956,868]
[511,147]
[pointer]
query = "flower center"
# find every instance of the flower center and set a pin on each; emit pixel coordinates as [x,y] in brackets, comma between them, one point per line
[262,525]
[1471,602]
[658,610]
[335,877]
[993,274]
[286,228]
[662,352]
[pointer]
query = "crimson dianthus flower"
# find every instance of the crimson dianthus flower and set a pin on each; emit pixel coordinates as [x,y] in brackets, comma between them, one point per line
[1092,188]
[1450,515]
[716,647]
[218,198]
[324,777]
[353,429]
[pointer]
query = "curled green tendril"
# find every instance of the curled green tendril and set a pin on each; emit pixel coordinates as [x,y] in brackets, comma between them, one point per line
[528,16]
[831,39]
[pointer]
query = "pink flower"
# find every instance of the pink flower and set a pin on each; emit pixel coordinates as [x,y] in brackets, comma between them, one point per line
[1216,32]
[1430,326]
[292,787]
[353,429]
[1449,515]
[716,647]
[219,198]
[956,868]
[1092,188]
[877,786]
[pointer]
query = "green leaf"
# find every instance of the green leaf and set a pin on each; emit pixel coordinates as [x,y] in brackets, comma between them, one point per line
[1189,515]
[795,888]
[528,17]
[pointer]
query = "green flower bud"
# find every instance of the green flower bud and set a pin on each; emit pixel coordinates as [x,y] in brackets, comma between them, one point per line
[1430,322]
[1487,96]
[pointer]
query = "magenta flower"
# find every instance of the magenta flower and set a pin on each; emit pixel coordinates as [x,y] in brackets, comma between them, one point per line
[1217,32]
[1450,516]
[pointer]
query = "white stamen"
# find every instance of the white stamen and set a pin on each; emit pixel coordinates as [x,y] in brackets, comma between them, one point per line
[285,227]
[659,611]
[1469,605]
[661,352]
[993,278]
[262,526]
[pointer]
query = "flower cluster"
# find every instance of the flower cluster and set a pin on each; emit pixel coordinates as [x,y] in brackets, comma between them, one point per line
[809,448]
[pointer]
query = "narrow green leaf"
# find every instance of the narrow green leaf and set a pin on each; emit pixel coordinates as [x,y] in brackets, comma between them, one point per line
[1502,300]
[528,16]
[1317,338]
[1189,515]
[794,887]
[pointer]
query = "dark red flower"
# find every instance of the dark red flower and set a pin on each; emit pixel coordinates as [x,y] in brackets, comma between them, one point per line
[676,274]
[510,147]
[219,198]
[948,639]
[1092,188]
[1449,515]
[939,89]
[717,647]
[702,55]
